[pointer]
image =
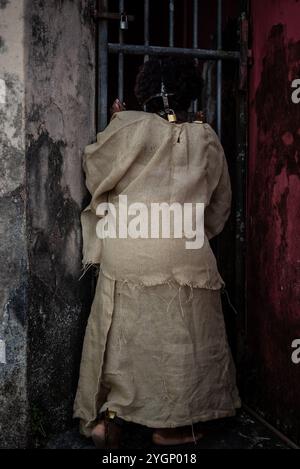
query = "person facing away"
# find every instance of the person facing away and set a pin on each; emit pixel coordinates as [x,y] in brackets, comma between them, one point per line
[155,350]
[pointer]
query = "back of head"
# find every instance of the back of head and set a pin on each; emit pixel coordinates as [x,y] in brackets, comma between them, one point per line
[181,77]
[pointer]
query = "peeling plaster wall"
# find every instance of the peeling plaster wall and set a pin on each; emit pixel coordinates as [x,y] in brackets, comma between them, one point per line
[60,77]
[47,59]
[273,381]
[13,252]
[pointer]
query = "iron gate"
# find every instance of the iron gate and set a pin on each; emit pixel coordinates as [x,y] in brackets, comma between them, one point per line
[104,16]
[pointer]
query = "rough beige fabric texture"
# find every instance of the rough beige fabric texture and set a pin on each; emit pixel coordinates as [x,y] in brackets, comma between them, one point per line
[150,160]
[155,347]
[156,355]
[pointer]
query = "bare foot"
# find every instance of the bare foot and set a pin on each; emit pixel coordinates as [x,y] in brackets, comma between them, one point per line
[110,440]
[98,435]
[176,436]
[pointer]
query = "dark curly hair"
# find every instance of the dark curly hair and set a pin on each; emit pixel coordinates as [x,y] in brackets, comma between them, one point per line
[181,76]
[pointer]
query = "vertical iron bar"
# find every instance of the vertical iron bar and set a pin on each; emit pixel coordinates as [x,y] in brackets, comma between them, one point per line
[195,39]
[219,70]
[240,171]
[146,27]
[103,68]
[121,59]
[195,24]
[171,23]
[240,204]
[219,93]
[185,18]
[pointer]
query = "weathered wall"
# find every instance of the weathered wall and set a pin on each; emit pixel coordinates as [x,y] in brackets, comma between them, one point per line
[13,253]
[49,306]
[274,215]
[60,77]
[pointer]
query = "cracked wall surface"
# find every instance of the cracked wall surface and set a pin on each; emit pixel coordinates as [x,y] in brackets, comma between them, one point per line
[13,252]
[47,68]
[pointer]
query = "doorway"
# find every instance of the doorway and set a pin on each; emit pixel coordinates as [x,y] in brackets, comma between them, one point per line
[216,33]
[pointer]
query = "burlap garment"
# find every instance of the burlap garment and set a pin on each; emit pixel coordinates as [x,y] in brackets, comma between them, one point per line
[155,348]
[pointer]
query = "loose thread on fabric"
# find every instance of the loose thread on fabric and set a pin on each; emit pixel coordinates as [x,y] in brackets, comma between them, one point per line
[171,301]
[180,304]
[166,390]
[191,296]
[85,269]
[193,433]
[192,425]
[229,302]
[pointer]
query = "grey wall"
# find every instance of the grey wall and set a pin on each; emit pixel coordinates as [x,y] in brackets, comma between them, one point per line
[13,245]
[47,60]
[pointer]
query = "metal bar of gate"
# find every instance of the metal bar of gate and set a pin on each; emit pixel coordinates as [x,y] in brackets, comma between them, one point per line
[171,23]
[158,50]
[146,27]
[103,68]
[195,38]
[219,70]
[195,24]
[240,196]
[121,59]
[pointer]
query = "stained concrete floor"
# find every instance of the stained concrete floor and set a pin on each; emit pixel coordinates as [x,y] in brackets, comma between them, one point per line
[240,432]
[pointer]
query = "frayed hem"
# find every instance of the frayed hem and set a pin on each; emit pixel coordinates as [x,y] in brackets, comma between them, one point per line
[218,415]
[170,281]
[85,429]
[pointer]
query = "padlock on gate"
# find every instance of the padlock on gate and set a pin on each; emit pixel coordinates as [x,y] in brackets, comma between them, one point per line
[123,21]
[171,116]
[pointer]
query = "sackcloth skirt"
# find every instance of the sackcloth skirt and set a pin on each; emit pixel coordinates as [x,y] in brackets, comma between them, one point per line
[156,355]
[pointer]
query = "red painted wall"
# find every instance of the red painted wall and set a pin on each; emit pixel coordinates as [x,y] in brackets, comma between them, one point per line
[273,239]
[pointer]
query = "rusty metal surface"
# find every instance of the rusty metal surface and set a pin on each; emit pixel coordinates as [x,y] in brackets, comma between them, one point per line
[273,380]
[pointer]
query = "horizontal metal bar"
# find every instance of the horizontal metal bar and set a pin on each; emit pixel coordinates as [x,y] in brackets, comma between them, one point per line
[102,15]
[157,50]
